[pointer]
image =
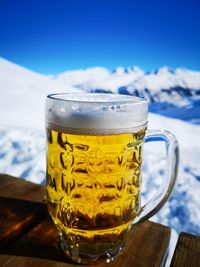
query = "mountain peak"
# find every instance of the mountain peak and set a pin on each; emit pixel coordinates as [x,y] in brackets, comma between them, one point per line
[163,70]
[124,70]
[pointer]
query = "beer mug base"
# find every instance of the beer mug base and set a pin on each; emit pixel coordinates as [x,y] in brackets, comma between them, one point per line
[88,253]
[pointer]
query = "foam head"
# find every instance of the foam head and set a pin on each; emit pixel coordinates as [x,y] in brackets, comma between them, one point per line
[95,113]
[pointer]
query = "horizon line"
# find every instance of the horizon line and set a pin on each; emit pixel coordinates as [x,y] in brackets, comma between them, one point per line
[111,70]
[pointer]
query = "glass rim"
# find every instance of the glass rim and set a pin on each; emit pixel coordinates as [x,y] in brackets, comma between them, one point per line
[103,98]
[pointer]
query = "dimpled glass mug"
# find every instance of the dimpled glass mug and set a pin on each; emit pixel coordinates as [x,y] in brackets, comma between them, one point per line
[94,157]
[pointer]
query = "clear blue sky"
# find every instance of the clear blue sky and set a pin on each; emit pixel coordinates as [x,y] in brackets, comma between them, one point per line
[50,36]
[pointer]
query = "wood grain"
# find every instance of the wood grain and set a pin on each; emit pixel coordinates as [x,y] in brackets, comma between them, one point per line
[20,189]
[187,252]
[17,217]
[40,242]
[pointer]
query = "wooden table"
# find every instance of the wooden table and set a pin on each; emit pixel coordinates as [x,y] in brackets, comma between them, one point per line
[28,236]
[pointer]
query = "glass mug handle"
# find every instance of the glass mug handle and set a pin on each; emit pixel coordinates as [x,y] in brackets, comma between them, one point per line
[165,189]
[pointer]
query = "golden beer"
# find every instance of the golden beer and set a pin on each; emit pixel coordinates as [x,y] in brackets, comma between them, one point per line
[93,189]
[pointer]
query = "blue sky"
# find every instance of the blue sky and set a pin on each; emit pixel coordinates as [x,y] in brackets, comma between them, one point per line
[51,36]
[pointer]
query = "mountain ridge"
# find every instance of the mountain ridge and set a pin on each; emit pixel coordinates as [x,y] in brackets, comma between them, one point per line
[134,81]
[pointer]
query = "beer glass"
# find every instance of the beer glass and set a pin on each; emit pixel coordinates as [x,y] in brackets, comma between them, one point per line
[93,184]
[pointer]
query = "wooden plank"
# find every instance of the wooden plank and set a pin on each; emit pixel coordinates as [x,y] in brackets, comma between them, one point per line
[16,217]
[40,242]
[10,261]
[187,252]
[6,179]
[147,245]
[20,189]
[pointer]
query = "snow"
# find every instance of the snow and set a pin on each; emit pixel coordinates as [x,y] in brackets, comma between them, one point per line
[187,134]
[100,78]
[166,79]
[23,95]
[81,76]
[22,135]
[133,78]
[191,79]
[184,202]
[22,153]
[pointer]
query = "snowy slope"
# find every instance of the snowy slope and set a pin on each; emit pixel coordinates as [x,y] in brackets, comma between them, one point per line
[23,95]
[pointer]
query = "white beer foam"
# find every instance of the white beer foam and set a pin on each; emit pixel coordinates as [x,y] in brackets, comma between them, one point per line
[95,113]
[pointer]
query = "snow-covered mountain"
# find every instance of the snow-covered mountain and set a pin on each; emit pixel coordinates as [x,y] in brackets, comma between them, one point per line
[171,93]
[23,92]
[163,85]
[166,85]
[99,78]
